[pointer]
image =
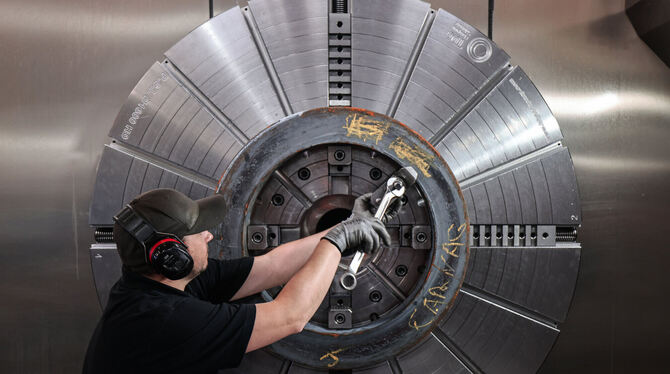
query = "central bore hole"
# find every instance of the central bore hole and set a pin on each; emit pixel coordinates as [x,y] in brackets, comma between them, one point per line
[332,218]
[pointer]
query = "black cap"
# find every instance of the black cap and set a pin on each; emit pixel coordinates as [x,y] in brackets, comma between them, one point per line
[170,212]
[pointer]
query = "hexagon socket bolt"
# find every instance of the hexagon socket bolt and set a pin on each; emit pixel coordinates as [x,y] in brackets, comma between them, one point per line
[395,188]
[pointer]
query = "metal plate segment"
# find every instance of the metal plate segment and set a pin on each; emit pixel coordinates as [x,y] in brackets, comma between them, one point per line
[455,63]
[542,191]
[295,33]
[511,121]
[383,36]
[423,359]
[221,59]
[161,118]
[122,177]
[494,339]
[538,279]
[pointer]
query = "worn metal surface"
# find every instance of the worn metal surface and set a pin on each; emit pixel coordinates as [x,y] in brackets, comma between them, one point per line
[607,90]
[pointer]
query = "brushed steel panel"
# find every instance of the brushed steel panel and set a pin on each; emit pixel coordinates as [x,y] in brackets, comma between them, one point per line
[495,339]
[221,59]
[383,34]
[542,191]
[539,279]
[295,33]
[448,74]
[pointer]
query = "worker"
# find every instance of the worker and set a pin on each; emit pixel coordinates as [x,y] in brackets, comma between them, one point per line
[173,310]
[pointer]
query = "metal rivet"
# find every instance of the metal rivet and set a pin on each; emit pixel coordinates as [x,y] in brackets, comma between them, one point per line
[401,270]
[257,237]
[304,174]
[277,200]
[375,296]
[339,155]
[375,173]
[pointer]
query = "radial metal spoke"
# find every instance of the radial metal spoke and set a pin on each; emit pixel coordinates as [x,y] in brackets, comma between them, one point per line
[387,281]
[292,188]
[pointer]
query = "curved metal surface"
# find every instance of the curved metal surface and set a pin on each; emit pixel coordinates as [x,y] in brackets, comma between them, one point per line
[248,67]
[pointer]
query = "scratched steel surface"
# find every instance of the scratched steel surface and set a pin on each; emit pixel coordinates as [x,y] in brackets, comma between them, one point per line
[606,89]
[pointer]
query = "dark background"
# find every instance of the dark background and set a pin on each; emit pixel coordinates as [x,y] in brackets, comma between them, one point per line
[66,67]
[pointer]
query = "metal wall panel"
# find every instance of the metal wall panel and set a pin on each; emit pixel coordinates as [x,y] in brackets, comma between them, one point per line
[69,66]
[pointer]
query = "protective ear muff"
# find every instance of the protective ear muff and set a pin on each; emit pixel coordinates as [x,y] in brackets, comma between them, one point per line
[166,254]
[170,257]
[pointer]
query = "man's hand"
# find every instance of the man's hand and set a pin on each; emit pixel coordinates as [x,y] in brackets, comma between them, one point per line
[358,233]
[363,208]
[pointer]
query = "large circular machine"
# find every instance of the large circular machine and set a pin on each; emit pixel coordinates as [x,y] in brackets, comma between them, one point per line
[291,109]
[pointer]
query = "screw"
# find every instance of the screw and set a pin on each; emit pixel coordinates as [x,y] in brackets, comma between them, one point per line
[401,270]
[397,185]
[375,296]
[277,200]
[257,237]
[339,155]
[304,174]
[340,318]
[375,174]
[421,237]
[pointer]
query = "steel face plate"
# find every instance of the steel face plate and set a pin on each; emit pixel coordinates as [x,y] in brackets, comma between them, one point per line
[384,338]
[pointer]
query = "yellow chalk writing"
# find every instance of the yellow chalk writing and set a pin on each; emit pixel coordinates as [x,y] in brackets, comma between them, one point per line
[366,127]
[413,324]
[412,153]
[333,356]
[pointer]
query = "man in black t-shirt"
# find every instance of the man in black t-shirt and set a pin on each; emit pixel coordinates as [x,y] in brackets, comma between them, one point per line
[173,309]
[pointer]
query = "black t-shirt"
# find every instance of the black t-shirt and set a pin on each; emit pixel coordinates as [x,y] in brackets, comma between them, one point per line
[150,327]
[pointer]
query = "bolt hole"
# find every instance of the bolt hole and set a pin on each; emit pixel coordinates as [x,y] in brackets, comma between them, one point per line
[545,235]
[487,235]
[475,235]
[375,296]
[340,302]
[339,23]
[401,270]
[339,73]
[339,36]
[522,236]
[340,167]
[339,85]
[375,173]
[277,200]
[407,235]
[257,237]
[339,49]
[272,235]
[339,60]
[499,235]
[339,97]
[339,155]
[533,236]
[304,174]
[510,235]
[340,318]
[421,237]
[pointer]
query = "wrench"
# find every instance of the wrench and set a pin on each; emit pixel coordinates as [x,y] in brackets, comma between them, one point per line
[395,188]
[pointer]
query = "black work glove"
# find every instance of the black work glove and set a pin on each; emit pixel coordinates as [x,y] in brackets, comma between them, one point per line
[358,233]
[363,208]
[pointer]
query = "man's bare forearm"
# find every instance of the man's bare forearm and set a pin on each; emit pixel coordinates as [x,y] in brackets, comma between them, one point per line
[288,258]
[304,292]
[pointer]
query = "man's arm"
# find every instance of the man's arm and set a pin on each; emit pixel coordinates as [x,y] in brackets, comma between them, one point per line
[298,300]
[279,265]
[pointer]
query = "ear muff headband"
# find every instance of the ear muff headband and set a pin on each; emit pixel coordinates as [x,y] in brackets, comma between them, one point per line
[164,252]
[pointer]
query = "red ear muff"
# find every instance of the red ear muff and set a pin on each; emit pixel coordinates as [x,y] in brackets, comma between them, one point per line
[153,248]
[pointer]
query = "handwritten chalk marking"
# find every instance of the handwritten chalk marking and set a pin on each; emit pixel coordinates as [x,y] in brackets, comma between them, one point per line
[332,355]
[366,128]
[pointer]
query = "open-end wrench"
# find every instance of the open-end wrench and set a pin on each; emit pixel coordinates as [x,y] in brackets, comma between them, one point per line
[395,188]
